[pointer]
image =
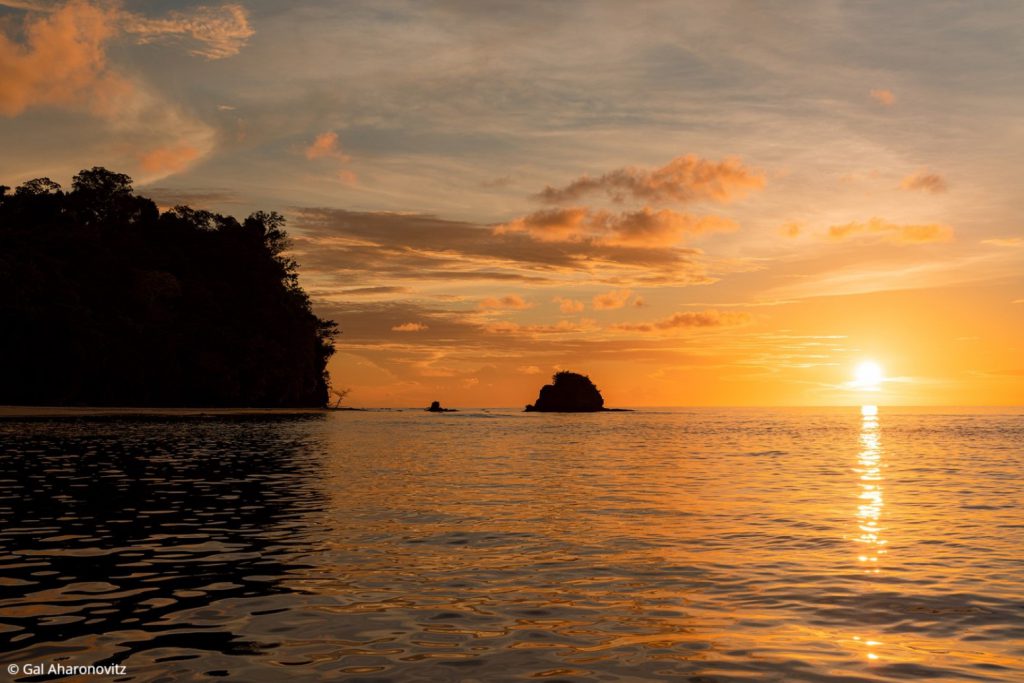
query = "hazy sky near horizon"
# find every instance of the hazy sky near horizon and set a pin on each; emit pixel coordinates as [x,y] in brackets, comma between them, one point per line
[695,203]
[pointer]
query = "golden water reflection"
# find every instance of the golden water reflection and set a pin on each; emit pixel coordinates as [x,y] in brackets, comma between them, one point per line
[871,498]
[871,502]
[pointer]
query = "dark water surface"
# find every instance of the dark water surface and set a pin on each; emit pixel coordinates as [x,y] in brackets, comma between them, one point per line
[700,545]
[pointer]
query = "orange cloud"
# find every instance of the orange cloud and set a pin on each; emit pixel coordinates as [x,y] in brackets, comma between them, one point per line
[924,182]
[512,301]
[568,305]
[562,326]
[348,248]
[168,159]
[791,229]
[893,232]
[409,327]
[883,96]
[643,228]
[62,61]
[326,146]
[684,179]
[550,225]
[689,319]
[59,59]
[1005,241]
[220,31]
[503,326]
[62,58]
[529,369]
[616,298]
[660,228]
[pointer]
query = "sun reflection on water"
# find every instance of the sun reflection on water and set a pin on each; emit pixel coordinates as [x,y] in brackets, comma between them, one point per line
[871,502]
[869,509]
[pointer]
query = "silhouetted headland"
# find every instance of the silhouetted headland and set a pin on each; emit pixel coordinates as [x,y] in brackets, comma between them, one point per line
[106,301]
[435,407]
[569,392]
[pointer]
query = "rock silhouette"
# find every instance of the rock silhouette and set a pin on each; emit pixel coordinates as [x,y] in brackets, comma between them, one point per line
[435,407]
[106,301]
[569,392]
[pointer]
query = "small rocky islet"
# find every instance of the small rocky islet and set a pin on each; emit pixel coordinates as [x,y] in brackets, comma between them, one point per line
[569,392]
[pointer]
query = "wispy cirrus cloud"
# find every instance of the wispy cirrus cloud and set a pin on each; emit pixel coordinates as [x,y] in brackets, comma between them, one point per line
[561,327]
[894,233]
[171,197]
[688,320]
[685,179]
[350,247]
[215,32]
[509,302]
[1009,242]
[925,181]
[374,291]
[31,5]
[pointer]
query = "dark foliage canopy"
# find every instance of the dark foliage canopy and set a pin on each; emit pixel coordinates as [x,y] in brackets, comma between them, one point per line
[106,301]
[569,392]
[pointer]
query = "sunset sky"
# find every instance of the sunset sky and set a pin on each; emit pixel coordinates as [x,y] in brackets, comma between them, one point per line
[717,203]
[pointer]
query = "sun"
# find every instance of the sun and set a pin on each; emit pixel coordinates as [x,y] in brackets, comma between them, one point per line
[868,376]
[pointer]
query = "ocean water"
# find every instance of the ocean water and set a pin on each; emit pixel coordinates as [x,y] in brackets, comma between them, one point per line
[683,545]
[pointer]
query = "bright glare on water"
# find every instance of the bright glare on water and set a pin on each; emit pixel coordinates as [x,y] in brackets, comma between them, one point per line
[695,545]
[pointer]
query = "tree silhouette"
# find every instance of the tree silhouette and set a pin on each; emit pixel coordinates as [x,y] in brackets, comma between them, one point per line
[339,396]
[104,300]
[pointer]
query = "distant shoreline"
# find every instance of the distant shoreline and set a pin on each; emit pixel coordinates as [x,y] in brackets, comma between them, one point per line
[97,411]
[9,412]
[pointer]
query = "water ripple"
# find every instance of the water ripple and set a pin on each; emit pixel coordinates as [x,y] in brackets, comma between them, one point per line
[694,545]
